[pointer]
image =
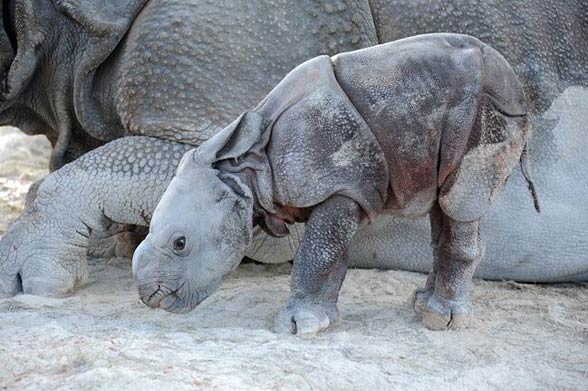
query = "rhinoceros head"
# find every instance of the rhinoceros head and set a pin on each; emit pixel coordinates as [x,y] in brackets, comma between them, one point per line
[202,225]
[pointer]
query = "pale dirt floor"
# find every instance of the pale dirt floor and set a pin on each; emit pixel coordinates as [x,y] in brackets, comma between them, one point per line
[525,336]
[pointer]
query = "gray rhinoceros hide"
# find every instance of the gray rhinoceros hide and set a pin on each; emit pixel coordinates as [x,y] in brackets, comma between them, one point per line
[548,53]
[84,73]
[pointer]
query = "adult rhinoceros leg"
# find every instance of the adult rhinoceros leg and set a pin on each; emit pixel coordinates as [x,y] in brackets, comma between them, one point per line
[44,251]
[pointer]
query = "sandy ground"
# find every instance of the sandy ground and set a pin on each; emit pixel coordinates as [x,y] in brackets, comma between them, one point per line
[23,160]
[525,337]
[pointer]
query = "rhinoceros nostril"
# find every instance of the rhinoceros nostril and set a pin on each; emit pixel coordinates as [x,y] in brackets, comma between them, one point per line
[19,287]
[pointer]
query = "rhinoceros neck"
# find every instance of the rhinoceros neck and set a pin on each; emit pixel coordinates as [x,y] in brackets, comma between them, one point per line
[257,178]
[272,216]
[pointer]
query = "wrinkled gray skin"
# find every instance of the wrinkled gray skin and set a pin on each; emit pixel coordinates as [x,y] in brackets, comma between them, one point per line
[545,42]
[431,124]
[84,75]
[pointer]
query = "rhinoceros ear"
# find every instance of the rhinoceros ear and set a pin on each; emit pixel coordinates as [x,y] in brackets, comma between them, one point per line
[233,141]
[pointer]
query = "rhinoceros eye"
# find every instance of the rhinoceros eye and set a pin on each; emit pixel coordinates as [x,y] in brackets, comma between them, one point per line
[180,243]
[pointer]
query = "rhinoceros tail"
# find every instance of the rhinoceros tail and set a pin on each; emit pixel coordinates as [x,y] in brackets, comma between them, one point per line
[506,92]
[526,169]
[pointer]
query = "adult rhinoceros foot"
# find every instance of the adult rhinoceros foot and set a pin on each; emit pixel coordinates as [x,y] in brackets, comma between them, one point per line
[39,260]
[45,251]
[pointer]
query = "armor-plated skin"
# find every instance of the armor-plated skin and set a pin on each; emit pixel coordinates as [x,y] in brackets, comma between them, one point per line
[428,124]
[84,73]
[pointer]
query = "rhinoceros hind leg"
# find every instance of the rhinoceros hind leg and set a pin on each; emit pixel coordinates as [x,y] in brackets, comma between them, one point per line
[458,248]
[422,295]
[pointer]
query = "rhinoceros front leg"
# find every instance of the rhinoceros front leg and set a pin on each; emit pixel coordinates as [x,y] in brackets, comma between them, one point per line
[44,251]
[458,249]
[319,268]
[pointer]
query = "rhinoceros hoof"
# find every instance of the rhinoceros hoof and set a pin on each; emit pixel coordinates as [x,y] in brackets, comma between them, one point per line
[442,314]
[421,297]
[305,318]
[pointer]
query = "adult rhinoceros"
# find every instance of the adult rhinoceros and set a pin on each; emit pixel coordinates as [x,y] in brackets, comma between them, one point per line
[175,72]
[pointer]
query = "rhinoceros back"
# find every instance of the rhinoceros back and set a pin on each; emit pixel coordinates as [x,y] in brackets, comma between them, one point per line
[435,102]
[415,94]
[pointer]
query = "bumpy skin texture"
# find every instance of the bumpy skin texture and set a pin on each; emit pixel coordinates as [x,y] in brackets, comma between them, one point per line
[188,81]
[308,150]
[44,252]
[454,156]
[319,268]
[545,42]
[84,75]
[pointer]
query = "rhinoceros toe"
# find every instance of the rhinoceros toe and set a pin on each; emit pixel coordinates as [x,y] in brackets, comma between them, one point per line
[305,318]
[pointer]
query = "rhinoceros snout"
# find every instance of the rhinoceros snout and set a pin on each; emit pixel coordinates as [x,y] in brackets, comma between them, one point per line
[145,275]
[151,297]
[155,290]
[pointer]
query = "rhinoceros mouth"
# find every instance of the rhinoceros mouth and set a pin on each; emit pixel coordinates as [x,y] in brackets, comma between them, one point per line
[161,295]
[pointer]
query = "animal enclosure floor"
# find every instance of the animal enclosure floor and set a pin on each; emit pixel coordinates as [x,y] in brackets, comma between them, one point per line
[525,337]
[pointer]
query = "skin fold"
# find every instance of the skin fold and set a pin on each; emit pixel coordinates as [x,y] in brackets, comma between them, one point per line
[85,73]
[51,261]
[544,43]
[335,145]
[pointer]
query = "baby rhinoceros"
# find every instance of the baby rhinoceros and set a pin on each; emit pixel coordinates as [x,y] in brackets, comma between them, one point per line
[428,124]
